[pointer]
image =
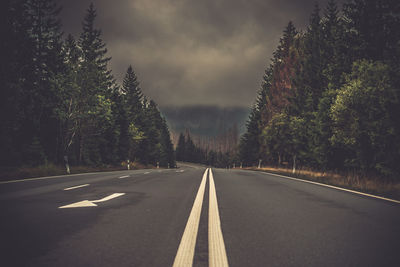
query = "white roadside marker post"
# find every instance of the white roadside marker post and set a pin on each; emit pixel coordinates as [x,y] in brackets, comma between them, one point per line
[66,164]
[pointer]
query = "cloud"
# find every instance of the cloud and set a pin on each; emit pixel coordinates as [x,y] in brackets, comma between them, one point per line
[211,52]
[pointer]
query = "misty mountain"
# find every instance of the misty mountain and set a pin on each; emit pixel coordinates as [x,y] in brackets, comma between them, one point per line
[205,121]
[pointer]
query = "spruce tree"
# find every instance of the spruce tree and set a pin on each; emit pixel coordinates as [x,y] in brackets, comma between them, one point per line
[96,83]
[180,148]
[40,99]
[133,96]
[249,143]
[16,78]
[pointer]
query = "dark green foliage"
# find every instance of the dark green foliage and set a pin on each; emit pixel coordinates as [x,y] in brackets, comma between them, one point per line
[180,148]
[59,99]
[362,120]
[341,111]
[188,151]
[249,143]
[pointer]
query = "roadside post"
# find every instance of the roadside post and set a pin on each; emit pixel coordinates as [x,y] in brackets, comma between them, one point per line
[66,164]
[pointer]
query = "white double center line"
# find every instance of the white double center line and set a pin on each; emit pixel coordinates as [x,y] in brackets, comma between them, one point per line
[184,256]
[216,247]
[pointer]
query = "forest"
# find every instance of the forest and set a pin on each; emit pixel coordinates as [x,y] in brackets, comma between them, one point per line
[60,102]
[220,151]
[329,99]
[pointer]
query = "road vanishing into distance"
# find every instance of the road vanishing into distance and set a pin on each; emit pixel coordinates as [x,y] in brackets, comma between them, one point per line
[192,216]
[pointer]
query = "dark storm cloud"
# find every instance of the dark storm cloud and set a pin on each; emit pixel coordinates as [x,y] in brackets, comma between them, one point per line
[211,52]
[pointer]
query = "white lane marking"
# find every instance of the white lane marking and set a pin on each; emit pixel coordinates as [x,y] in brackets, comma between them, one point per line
[146,173]
[122,177]
[80,204]
[108,197]
[180,171]
[75,187]
[185,254]
[216,246]
[91,203]
[335,187]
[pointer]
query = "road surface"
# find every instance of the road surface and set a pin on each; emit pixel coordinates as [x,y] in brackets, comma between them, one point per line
[151,218]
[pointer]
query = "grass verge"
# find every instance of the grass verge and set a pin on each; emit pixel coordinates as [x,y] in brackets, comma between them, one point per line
[372,185]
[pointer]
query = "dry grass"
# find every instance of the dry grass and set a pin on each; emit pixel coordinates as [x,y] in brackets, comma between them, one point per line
[374,185]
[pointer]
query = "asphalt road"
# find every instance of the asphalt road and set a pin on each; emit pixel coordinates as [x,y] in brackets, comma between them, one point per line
[265,221]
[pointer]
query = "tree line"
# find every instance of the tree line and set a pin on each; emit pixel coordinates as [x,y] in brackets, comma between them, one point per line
[60,101]
[220,155]
[329,99]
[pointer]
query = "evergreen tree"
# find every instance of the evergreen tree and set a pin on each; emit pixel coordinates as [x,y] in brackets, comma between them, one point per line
[167,157]
[16,77]
[133,97]
[96,83]
[134,112]
[180,148]
[45,31]
[249,143]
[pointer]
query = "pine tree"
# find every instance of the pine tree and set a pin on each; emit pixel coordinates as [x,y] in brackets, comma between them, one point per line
[133,96]
[282,72]
[96,83]
[180,148]
[40,99]
[16,77]
[373,28]
[249,143]
[309,80]
[167,157]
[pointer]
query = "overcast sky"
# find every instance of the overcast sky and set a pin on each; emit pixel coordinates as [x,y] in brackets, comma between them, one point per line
[192,52]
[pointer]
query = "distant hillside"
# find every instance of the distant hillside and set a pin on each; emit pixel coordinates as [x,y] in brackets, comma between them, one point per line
[204,121]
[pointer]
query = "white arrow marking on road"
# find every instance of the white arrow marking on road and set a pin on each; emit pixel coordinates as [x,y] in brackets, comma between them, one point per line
[125,176]
[75,187]
[80,204]
[146,173]
[184,256]
[108,197]
[91,203]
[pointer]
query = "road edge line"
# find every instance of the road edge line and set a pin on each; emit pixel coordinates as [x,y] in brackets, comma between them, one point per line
[185,254]
[216,246]
[334,187]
